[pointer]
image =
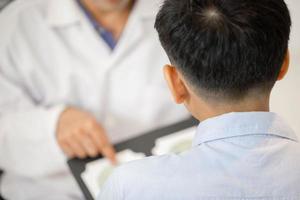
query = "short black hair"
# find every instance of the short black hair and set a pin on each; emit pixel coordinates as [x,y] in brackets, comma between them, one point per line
[226,47]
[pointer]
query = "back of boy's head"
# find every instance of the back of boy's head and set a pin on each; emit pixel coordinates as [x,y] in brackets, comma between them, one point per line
[226,48]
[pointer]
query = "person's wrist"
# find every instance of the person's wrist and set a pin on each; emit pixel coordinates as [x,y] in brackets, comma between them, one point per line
[56,112]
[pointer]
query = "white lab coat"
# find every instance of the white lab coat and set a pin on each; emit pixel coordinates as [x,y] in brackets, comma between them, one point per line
[50,58]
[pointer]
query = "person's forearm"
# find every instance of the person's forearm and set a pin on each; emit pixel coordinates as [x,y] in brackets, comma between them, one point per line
[27,142]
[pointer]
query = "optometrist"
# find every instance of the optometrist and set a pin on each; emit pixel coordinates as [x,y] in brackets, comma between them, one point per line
[76,77]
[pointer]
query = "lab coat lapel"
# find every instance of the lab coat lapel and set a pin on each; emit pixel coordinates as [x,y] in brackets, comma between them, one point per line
[143,10]
[130,37]
[66,17]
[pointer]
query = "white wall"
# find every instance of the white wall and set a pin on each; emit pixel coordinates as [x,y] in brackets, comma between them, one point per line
[285,99]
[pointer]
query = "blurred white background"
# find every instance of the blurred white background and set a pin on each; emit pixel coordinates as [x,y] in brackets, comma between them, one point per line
[286,95]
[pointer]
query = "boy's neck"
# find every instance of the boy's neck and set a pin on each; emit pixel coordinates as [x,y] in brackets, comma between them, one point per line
[206,111]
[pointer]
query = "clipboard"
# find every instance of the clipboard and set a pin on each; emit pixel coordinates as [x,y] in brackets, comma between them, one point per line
[143,143]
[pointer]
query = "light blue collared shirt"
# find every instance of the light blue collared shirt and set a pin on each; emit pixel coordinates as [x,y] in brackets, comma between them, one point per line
[235,156]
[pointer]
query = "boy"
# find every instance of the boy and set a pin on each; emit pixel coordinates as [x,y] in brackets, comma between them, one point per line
[226,57]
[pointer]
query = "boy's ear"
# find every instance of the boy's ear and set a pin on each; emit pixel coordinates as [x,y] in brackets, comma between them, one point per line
[176,84]
[284,67]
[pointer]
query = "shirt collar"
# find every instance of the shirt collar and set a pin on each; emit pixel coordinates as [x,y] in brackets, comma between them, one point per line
[61,13]
[242,124]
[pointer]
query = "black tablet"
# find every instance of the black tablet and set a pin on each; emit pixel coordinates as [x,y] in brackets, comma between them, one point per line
[91,173]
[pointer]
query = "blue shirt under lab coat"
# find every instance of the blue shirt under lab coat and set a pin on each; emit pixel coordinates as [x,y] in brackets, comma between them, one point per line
[106,35]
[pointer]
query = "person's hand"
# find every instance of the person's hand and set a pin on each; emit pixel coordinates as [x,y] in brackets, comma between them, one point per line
[79,135]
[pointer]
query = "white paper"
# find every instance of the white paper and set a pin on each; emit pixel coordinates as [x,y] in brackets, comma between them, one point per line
[175,143]
[98,171]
